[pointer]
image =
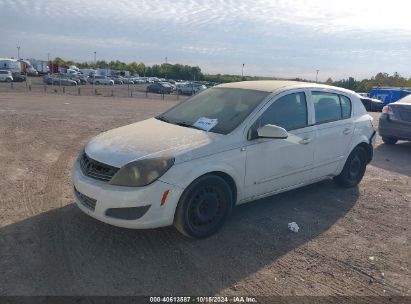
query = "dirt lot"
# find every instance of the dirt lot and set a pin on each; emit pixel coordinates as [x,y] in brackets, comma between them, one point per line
[351,242]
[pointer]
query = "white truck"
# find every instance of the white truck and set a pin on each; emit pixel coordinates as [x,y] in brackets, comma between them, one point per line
[41,66]
[11,65]
[16,68]
[28,67]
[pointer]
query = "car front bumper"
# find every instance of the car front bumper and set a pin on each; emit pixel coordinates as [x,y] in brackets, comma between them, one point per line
[128,207]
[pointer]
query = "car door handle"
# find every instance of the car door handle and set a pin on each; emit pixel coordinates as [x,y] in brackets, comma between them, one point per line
[347,131]
[305,141]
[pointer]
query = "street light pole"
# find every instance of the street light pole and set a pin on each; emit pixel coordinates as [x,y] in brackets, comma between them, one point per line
[95,54]
[242,71]
[18,52]
[316,76]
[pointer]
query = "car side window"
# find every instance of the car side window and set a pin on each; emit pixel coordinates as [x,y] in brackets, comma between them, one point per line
[288,112]
[345,107]
[330,107]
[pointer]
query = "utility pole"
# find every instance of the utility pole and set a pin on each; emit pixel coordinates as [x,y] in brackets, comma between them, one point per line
[95,56]
[18,52]
[242,71]
[316,76]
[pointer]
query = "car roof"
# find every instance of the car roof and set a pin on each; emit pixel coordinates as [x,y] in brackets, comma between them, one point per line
[274,85]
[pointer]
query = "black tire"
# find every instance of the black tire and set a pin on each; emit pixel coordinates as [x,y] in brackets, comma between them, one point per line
[389,140]
[180,92]
[97,82]
[8,80]
[203,207]
[354,168]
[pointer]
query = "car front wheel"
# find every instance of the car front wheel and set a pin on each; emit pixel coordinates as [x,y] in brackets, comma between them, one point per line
[354,168]
[389,140]
[203,207]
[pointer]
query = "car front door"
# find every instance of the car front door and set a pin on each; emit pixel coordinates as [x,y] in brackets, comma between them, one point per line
[273,165]
[335,128]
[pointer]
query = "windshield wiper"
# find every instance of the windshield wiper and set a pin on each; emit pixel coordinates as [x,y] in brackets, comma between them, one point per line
[162,118]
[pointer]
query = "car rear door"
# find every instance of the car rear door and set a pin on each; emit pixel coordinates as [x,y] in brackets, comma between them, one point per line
[274,165]
[335,129]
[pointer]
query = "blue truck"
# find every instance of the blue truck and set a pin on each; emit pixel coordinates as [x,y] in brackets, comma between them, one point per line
[389,94]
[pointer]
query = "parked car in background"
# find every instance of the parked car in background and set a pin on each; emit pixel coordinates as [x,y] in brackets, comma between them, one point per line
[128,80]
[70,77]
[159,87]
[83,79]
[190,88]
[6,76]
[138,80]
[395,121]
[117,79]
[225,146]
[98,79]
[173,86]
[372,104]
[51,79]
[18,77]
[364,94]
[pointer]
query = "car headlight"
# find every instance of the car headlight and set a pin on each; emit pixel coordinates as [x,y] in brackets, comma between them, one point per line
[142,172]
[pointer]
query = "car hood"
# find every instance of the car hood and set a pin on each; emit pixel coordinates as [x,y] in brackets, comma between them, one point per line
[151,138]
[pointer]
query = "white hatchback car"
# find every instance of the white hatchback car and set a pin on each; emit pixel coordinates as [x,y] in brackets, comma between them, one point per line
[228,145]
[98,79]
[6,76]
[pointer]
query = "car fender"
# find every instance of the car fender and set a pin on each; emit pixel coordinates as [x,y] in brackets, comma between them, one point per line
[183,174]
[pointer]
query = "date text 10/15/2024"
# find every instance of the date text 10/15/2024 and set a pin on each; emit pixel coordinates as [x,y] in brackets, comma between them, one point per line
[205,299]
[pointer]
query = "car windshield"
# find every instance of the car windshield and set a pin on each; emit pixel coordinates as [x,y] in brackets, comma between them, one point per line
[406,99]
[222,108]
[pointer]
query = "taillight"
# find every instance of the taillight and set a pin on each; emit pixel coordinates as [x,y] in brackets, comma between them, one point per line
[387,110]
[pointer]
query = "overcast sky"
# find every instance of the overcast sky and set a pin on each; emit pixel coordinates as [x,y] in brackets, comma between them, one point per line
[281,38]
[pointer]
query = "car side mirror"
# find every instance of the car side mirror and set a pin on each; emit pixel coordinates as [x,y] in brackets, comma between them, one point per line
[272,131]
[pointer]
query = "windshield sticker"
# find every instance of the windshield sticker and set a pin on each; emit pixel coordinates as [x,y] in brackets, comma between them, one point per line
[205,123]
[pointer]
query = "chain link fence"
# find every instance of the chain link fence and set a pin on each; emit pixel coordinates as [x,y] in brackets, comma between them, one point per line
[36,85]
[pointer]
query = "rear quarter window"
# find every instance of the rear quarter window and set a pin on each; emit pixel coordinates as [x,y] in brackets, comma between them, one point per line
[331,107]
[345,107]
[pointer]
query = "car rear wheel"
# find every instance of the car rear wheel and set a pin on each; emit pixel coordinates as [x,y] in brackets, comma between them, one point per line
[354,168]
[203,207]
[389,140]
[8,80]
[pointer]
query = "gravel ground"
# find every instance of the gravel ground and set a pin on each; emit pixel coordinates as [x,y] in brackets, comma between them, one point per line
[351,242]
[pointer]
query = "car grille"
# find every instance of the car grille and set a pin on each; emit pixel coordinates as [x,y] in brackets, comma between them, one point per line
[95,169]
[86,201]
